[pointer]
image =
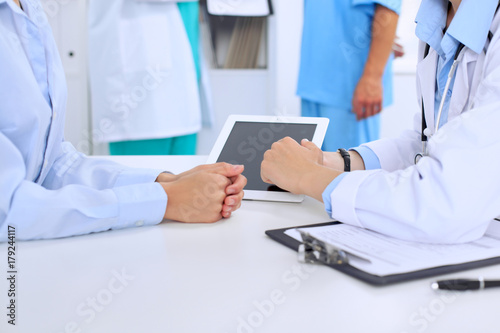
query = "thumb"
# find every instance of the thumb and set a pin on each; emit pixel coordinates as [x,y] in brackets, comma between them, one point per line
[308,144]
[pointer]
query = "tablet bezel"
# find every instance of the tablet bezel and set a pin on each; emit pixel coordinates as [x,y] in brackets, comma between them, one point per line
[318,137]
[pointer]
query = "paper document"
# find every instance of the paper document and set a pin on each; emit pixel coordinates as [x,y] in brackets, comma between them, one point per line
[238,8]
[384,255]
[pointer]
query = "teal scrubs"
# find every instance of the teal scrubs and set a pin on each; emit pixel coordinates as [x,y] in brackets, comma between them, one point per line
[335,45]
[181,145]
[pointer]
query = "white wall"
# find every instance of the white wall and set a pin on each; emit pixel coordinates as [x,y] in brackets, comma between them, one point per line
[270,91]
[399,116]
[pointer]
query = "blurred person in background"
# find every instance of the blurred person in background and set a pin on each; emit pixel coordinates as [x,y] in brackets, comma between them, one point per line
[144,72]
[345,67]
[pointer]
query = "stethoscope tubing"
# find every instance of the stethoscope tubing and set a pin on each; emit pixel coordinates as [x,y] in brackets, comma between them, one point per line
[451,74]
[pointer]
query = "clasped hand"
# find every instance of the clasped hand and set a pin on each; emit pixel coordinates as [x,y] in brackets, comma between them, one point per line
[206,193]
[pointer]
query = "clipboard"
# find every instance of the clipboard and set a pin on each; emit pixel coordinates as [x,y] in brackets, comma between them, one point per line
[279,236]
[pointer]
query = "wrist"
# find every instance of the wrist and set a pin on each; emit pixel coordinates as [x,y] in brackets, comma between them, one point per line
[171,209]
[373,72]
[333,160]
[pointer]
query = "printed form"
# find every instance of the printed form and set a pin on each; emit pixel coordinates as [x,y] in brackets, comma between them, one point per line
[383,255]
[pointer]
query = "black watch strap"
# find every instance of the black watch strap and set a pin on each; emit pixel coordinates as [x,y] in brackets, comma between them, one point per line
[347,159]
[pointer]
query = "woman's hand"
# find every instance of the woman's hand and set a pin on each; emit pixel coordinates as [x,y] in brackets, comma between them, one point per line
[205,193]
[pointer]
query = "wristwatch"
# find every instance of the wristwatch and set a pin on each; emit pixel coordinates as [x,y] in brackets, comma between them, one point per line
[347,159]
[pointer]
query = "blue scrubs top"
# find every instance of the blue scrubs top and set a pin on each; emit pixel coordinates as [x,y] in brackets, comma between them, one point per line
[335,44]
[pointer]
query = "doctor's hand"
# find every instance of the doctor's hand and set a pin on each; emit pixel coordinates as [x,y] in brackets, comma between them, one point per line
[297,168]
[367,98]
[205,193]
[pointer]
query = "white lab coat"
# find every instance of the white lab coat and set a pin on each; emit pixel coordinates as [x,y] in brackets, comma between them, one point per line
[453,194]
[142,73]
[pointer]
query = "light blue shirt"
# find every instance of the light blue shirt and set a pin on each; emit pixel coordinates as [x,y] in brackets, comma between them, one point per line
[335,44]
[48,189]
[431,21]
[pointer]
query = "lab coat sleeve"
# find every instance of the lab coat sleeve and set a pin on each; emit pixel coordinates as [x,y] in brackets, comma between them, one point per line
[398,153]
[450,196]
[73,167]
[38,212]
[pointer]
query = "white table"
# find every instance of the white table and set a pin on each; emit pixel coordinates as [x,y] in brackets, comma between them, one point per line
[222,277]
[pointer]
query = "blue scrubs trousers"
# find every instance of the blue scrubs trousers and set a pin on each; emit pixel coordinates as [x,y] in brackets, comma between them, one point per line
[344,131]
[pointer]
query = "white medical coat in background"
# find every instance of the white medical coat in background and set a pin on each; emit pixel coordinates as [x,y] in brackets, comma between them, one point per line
[142,72]
[453,194]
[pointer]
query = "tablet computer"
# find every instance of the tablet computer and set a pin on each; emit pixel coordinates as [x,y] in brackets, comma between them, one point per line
[244,140]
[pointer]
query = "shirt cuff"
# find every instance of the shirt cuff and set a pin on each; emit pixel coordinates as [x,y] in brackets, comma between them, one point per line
[327,193]
[141,204]
[131,176]
[370,159]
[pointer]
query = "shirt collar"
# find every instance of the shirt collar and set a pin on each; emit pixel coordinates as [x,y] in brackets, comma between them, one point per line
[13,6]
[431,21]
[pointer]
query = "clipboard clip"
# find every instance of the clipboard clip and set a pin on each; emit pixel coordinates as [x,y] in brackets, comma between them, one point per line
[315,251]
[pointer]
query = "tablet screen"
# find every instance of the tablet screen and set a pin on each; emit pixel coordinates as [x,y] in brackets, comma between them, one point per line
[248,141]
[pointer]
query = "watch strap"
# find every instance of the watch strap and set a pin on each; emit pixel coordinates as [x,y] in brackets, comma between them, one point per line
[347,159]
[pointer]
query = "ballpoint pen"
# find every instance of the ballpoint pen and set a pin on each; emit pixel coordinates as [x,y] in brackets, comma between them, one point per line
[465,284]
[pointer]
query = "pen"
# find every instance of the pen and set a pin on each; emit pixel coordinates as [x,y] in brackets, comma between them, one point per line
[465,284]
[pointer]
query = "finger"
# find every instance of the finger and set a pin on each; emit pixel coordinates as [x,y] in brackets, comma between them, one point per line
[357,109]
[288,140]
[368,110]
[227,210]
[238,184]
[263,170]
[308,144]
[233,200]
[228,170]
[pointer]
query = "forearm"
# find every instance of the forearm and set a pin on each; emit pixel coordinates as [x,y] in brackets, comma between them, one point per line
[77,210]
[314,182]
[72,167]
[383,33]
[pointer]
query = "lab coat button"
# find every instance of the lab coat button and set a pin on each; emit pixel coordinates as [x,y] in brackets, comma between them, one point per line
[139,223]
[449,93]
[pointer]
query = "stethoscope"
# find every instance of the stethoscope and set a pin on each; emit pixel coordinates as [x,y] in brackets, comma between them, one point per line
[425,132]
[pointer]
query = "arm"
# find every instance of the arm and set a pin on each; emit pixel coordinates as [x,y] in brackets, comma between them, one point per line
[445,198]
[38,212]
[73,167]
[367,98]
